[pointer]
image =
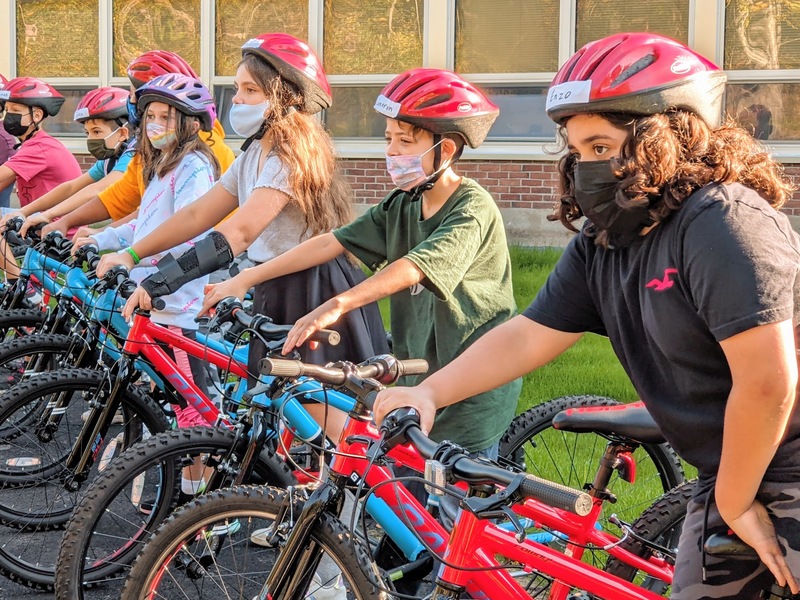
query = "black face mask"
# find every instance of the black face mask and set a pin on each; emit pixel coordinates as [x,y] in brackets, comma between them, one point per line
[12,123]
[100,151]
[595,191]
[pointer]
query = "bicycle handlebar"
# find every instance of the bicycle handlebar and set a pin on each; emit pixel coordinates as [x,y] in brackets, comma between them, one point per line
[478,472]
[385,368]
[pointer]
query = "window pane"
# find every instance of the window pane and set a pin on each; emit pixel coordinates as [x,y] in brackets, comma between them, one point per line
[767,110]
[506,36]
[57,38]
[241,20]
[762,35]
[599,18]
[352,114]
[380,36]
[222,97]
[522,115]
[62,123]
[142,25]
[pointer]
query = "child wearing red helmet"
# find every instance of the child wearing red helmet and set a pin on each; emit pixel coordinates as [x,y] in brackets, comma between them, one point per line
[437,243]
[686,264]
[284,188]
[7,150]
[41,162]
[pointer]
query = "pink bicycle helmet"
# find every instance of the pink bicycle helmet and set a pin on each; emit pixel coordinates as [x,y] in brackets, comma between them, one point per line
[107,103]
[151,64]
[297,64]
[34,93]
[638,73]
[439,101]
[187,94]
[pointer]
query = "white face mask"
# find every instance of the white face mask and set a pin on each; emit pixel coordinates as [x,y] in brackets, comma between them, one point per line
[245,119]
[406,169]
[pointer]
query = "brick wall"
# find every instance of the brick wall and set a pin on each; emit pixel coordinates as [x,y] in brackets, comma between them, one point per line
[513,184]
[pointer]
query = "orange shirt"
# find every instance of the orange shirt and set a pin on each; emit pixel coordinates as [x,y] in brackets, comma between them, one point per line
[124,196]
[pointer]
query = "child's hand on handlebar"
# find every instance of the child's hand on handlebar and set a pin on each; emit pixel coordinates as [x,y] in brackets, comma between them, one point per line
[393,398]
[320,318]
[59,226]
[214,293]
[112,260]
[33,221]
[81,241]
[139,299]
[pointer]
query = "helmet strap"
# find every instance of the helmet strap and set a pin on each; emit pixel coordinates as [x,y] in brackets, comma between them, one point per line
[256,136]
[417,191]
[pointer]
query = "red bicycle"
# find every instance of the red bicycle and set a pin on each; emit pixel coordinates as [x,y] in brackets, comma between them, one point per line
[202,550]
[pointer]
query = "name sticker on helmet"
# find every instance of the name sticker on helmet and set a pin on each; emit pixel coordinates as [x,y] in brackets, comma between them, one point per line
[571,92]
[387,107]
[81,113]
[5,94]
[252,43]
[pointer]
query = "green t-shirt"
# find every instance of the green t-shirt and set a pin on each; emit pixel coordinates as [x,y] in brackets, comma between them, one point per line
[467,291]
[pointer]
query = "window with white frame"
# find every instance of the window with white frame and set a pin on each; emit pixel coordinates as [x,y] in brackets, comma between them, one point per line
[761,57]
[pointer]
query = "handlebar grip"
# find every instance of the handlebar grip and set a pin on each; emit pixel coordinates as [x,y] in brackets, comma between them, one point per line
[557,495]
[158,303]
[278,367]
[326,336]
[413,366]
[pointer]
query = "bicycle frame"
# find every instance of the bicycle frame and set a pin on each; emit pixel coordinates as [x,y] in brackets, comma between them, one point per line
[473,542]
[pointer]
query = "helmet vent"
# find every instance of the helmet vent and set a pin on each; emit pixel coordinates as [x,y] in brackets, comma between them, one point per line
[438,99]
[640,64]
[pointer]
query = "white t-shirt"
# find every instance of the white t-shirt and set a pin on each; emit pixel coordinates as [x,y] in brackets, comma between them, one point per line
[165,196]
[287,229]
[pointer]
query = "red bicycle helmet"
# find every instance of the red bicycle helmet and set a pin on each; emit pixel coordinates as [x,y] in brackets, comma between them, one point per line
[296,63]
[639,73]
[108,103]
[151,64]
[187,94]
[34,93]
[3,81]
[439,101]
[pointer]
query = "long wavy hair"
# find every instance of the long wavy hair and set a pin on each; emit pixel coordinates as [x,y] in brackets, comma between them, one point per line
[301,142]
[666,158]
[160,162]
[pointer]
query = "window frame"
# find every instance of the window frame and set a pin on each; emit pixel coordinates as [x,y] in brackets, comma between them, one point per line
[705,16]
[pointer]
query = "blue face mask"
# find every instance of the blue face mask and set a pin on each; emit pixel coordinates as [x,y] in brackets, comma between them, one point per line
[133,114]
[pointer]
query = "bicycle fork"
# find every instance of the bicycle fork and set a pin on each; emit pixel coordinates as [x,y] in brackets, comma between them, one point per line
[298,560]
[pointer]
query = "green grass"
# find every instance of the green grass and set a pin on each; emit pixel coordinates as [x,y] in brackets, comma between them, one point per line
[589,367]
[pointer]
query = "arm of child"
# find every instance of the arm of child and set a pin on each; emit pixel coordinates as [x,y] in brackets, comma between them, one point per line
[505,353]
[7,176]
[58,194]
[764,371]
[315,251]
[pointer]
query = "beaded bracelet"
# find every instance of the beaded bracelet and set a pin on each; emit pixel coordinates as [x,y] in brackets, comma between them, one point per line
[132,252]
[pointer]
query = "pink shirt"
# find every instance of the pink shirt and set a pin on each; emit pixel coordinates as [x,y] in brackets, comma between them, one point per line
[40,164]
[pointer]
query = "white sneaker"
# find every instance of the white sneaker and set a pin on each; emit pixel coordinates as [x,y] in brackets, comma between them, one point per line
[332,590]
[229,528]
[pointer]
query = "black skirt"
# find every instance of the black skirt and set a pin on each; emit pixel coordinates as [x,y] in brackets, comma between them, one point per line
[287,299]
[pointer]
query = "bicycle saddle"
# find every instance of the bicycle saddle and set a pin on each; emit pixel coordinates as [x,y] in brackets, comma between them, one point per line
[728,546]
[630,421]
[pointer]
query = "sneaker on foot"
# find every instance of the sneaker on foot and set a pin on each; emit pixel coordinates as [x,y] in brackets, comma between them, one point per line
[228,528]
[331,590]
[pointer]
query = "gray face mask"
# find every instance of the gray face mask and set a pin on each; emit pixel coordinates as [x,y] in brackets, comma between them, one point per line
[595,193]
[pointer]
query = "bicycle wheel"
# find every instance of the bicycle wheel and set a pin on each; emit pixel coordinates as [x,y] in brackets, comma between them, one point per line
[35,499]
[662,524]
[16,322]
[203,551]
[22,357]
[109,527]
[572,459]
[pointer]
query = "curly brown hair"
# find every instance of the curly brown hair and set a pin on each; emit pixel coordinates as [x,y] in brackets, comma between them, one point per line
[667,157]
[307,150]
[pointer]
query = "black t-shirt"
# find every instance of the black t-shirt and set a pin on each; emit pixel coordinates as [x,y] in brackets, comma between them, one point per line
[724,263]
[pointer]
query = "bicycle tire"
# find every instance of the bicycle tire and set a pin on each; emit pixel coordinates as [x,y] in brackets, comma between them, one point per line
[21,357]
[34,501]
[242,508]
[531,443]
[16,322]
[108,513]
[661,523]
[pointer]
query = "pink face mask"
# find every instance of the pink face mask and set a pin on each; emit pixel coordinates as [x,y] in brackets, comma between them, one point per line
[406,169]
